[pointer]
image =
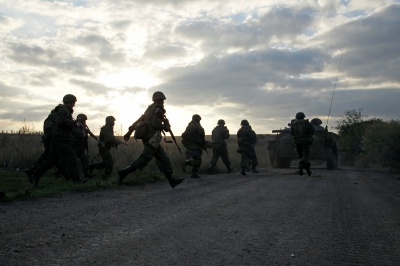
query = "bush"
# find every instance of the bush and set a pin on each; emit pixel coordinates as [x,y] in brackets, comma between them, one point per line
[381,145]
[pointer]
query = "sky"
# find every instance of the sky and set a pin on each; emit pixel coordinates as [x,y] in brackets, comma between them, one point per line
[259,60]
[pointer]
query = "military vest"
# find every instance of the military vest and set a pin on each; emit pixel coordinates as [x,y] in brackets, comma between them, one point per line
[301,132]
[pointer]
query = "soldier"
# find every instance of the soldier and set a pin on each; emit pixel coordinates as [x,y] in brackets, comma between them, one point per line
[80,143]
[148,128]
[219,147]
[81,118]
[302,132]
[61,142]
[46,140]
[107,141]
[194,141]
[247,139]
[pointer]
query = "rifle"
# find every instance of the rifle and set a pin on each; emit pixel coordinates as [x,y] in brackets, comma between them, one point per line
[90,133]
[172,134]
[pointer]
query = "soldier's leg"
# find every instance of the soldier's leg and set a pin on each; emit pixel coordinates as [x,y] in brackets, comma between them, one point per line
[164,165]
[307,164]
[108,163]
[254,160]
[67,157]
[42,158]
[299,149]
[195,162]
[98,165]
[244,162]
[141,162]
[80,153]
[225,159]
[214,159]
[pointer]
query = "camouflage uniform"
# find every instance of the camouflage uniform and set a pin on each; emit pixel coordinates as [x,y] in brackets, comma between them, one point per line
[247,140]
[46,140]
[302,132]
[107,141]
[194,141]
[61,145]
[79,146]
[154,121]
[219,147]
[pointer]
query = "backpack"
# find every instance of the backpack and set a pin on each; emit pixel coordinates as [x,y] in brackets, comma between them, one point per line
[141,130]
[299,128]
[185,139]
[49,123]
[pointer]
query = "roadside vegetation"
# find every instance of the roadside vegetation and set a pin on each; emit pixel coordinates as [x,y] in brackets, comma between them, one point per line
[19,150]
[371,143]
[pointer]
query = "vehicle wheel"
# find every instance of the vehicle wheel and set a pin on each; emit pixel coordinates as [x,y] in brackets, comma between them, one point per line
[331,161]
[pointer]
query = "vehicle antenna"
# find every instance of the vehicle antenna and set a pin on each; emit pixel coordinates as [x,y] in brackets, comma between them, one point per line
[334,87]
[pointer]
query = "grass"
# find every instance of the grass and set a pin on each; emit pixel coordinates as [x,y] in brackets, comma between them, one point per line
[21,151]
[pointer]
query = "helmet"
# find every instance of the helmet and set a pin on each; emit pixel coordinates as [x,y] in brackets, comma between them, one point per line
[221,122]
[316,122]
[244,122]
[196,118]
[110,119]
[158,95]
[69,98]
[300,115]
[82,117]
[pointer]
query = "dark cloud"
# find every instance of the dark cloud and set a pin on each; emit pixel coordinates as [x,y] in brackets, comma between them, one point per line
[220,35]
[372,49]
[101,48]
[38,56]
[10,91]
[92,88]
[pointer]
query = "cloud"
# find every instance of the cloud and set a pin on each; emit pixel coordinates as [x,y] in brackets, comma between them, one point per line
[92,88]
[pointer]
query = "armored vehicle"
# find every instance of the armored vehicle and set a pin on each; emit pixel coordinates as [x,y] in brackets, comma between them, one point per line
[325,147]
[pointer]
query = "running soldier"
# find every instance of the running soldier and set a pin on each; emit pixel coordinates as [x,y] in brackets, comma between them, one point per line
[148,128]
[61,142]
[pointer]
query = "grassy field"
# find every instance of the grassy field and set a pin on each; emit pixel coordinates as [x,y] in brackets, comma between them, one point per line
[20,151]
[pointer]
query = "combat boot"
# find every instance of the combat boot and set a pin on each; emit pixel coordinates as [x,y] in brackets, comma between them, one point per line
[173,182]
[211,169]
[255,171]
[307,167]
[243,172]
[230,169]
[29,173]
[183,165]
[91,167]
[300,169]
[87,174]
[194,175]
[122,173]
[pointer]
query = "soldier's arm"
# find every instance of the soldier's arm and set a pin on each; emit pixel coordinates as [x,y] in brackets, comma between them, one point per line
[157,119]
[110,138]
[226,133]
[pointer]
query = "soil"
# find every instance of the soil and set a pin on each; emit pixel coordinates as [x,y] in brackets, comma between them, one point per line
[276,217]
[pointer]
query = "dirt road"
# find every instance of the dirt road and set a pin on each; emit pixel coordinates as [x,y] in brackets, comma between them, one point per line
[343,217]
